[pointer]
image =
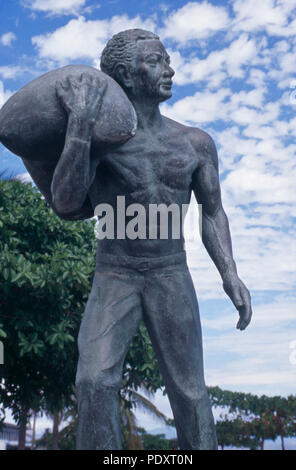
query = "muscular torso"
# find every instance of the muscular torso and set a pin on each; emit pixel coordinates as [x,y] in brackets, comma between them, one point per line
[148,169]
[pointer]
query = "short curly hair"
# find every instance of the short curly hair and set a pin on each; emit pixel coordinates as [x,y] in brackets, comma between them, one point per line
[121,48]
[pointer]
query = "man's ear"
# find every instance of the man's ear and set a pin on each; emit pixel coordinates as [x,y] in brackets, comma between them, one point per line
[123,76]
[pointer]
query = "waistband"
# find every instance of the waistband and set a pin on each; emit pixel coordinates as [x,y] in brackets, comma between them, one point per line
[140,263]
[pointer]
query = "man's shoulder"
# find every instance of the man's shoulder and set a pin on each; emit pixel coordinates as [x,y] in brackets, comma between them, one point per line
[200,140]
[198,137]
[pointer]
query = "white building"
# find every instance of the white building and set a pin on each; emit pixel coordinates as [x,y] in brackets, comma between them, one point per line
[9,437]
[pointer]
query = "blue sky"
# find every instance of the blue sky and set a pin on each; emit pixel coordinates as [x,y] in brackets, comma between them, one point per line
[235,78]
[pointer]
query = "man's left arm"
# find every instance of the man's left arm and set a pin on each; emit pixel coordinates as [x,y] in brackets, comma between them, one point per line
[215,228]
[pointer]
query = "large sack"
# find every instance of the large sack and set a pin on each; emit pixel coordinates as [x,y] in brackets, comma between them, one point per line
[33,122]
[33,125]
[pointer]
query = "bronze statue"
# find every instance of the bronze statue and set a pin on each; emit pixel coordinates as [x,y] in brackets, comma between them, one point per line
[139,278]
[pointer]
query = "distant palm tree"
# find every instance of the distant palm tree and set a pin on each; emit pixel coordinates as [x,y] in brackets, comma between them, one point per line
[130,436]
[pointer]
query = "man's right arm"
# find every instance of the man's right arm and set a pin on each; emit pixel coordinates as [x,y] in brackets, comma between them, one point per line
[215,227]
[75,171]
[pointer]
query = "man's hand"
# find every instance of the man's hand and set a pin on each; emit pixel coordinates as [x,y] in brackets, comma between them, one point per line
[81,97]
[241,299]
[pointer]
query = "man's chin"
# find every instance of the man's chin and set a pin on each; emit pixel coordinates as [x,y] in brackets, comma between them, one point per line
[165,94]
[160,95]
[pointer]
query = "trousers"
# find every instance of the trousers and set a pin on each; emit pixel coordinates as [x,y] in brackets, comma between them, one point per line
[160,291]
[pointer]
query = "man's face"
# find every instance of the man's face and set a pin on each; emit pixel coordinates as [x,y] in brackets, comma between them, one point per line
[153,74]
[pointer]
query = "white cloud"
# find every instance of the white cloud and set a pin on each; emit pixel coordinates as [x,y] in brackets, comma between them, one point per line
[195,20]
[263,349]
[257,77]
[7,38]
[286,62]
[260,237]
[200,108]
[242,108]
[279,62]
[4,94]
[244,50]
[82,39]
[10,71]
[253,185]
[253,98]
[24,178]
[273,16]
[200,20]
[282,46]
[56,7]
[230,61]
[245,115]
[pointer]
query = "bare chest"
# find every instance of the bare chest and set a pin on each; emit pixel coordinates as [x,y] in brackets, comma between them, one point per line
[152,164]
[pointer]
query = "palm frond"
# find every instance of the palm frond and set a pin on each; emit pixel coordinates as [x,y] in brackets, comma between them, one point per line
[148,406]
[134,441]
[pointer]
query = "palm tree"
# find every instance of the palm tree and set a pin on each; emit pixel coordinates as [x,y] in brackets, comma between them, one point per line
[131,439]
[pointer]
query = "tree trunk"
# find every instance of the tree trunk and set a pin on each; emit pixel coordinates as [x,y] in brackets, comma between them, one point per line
[34,431]
[22,429]
[55,431]
[262,445]
[283,442]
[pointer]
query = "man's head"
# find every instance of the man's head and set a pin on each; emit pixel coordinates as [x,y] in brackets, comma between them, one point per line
[138,61]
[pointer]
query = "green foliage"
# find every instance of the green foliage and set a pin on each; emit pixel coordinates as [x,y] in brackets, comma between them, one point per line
[67,439]
[257,418]
[141,366]
[46,270]
[235,432]
[155,441]
[46,267]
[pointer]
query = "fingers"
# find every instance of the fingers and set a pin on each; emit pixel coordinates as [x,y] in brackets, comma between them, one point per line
[74,83]
[244,307]
[241,299]
[91,81]
[245,312]
[82,93]
[83,80]
[61,87]
[61,91]
[241,325]
[245,318]
[103,86]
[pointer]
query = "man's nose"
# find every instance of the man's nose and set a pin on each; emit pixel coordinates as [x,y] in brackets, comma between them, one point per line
[169,72]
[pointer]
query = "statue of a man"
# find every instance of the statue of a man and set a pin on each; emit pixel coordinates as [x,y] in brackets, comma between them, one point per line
[142,278]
